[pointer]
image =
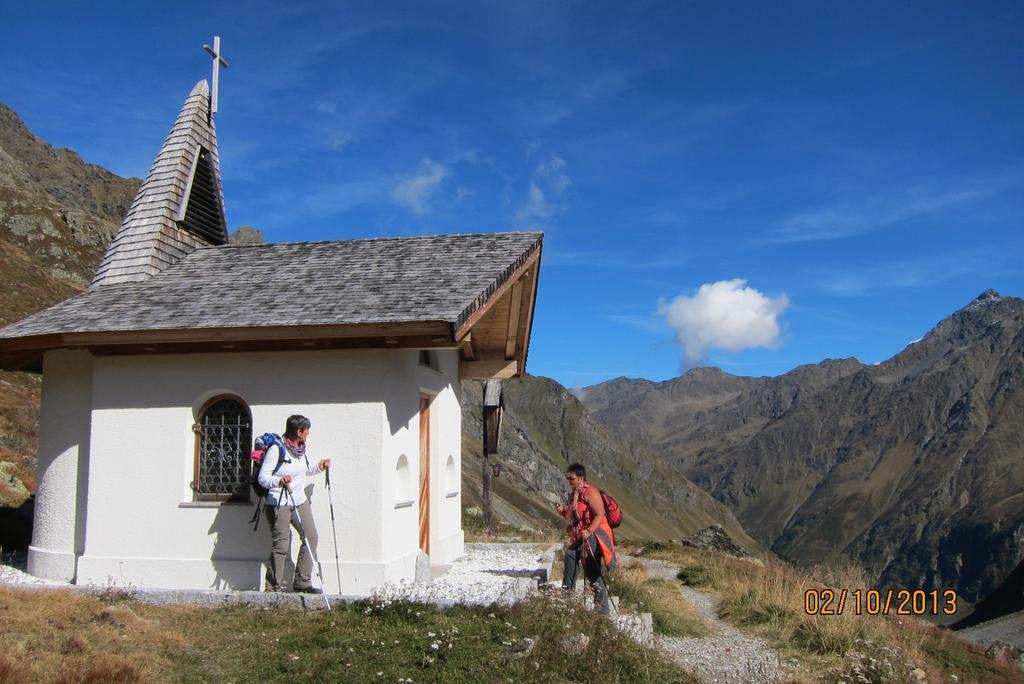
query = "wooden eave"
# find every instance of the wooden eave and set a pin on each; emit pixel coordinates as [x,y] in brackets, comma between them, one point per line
[25,353]
[495,339]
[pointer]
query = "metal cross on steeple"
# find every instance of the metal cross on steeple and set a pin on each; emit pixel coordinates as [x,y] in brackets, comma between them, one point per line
[217,61]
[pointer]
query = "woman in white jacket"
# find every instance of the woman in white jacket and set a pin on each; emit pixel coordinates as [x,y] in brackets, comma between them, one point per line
[284,475]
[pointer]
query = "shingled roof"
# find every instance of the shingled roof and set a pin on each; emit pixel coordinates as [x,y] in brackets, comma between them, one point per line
[443,279]
[180,205]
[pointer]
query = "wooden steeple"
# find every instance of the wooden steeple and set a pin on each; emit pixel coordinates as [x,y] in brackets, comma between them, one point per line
[180,205]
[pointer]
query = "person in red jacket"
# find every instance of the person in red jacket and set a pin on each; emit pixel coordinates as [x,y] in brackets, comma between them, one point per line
[590,536]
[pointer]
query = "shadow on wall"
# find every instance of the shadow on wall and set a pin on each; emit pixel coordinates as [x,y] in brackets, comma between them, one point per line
[239,551]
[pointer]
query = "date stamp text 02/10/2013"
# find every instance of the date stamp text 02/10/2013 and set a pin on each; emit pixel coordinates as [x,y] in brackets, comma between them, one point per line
[874,602]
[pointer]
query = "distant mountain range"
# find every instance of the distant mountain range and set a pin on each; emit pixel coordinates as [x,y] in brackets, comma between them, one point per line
[913,468]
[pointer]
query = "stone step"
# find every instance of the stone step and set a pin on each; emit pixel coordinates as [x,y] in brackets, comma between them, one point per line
[647,627]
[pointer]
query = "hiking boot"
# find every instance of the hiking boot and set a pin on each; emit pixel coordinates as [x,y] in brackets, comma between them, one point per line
[308,590]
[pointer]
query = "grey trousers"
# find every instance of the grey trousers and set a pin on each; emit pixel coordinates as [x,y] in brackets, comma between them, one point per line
[279,518]
[591,559]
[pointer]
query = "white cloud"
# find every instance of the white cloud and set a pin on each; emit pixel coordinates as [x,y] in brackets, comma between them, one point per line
[415,191]
[337,140]
[547,184]
[724,315]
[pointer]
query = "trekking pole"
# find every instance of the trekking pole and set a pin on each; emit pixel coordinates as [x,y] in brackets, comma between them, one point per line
[334,529]
[302,535]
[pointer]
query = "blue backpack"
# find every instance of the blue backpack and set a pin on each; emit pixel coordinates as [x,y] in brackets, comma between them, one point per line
[263,444]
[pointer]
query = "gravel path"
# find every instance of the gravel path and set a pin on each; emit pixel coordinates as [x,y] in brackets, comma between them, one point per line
[486,574]
[728,655]
[492,573]
[9,574]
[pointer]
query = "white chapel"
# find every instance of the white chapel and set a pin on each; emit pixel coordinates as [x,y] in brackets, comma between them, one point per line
[157,378]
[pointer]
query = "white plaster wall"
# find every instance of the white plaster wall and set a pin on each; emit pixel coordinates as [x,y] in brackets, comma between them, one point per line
[63,453]
[405,381]
[446,495]
[142,528]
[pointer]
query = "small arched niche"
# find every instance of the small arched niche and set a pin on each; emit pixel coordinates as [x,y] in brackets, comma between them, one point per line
[451,477]
[403,483]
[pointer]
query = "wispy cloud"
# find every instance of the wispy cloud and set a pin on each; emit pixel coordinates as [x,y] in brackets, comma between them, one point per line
[724,315]
[414,192]
[647,323]
[545,110]
[548,183]
[332,198]
[849,218]
[663,259]
[924,271]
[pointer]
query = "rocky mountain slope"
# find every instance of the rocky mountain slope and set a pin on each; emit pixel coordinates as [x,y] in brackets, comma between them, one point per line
[544,429]
[57,215]
[913,468]
[53,206]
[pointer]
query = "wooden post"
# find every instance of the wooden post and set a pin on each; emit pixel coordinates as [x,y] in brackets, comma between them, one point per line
[491,429]
[487,493]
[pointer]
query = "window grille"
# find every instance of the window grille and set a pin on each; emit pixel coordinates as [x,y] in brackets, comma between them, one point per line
[223,443]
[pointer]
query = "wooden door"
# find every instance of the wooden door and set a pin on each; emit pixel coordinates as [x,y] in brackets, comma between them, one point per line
[425,473]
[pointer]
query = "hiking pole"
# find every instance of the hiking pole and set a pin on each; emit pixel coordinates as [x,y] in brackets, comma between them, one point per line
[302,536]
[334,529]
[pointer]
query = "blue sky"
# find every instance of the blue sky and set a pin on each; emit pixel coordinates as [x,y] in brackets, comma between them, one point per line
[747,185]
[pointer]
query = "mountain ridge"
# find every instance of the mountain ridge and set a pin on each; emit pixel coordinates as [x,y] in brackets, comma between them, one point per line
[545,428]
[909,467]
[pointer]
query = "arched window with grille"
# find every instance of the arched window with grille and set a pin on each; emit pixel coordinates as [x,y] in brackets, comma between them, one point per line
[223,443]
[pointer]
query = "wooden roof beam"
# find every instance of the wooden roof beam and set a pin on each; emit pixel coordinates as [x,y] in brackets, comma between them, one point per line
[466,347]
[490,369]
[438,329]
[479,313]
[531,296]
[512,334]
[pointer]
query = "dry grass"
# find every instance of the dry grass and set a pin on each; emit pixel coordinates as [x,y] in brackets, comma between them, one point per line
[639,593]
[673,615]
[64,637]
[768,599]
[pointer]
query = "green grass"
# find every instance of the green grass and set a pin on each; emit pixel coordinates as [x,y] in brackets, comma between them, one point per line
[967,662]
[695,575]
